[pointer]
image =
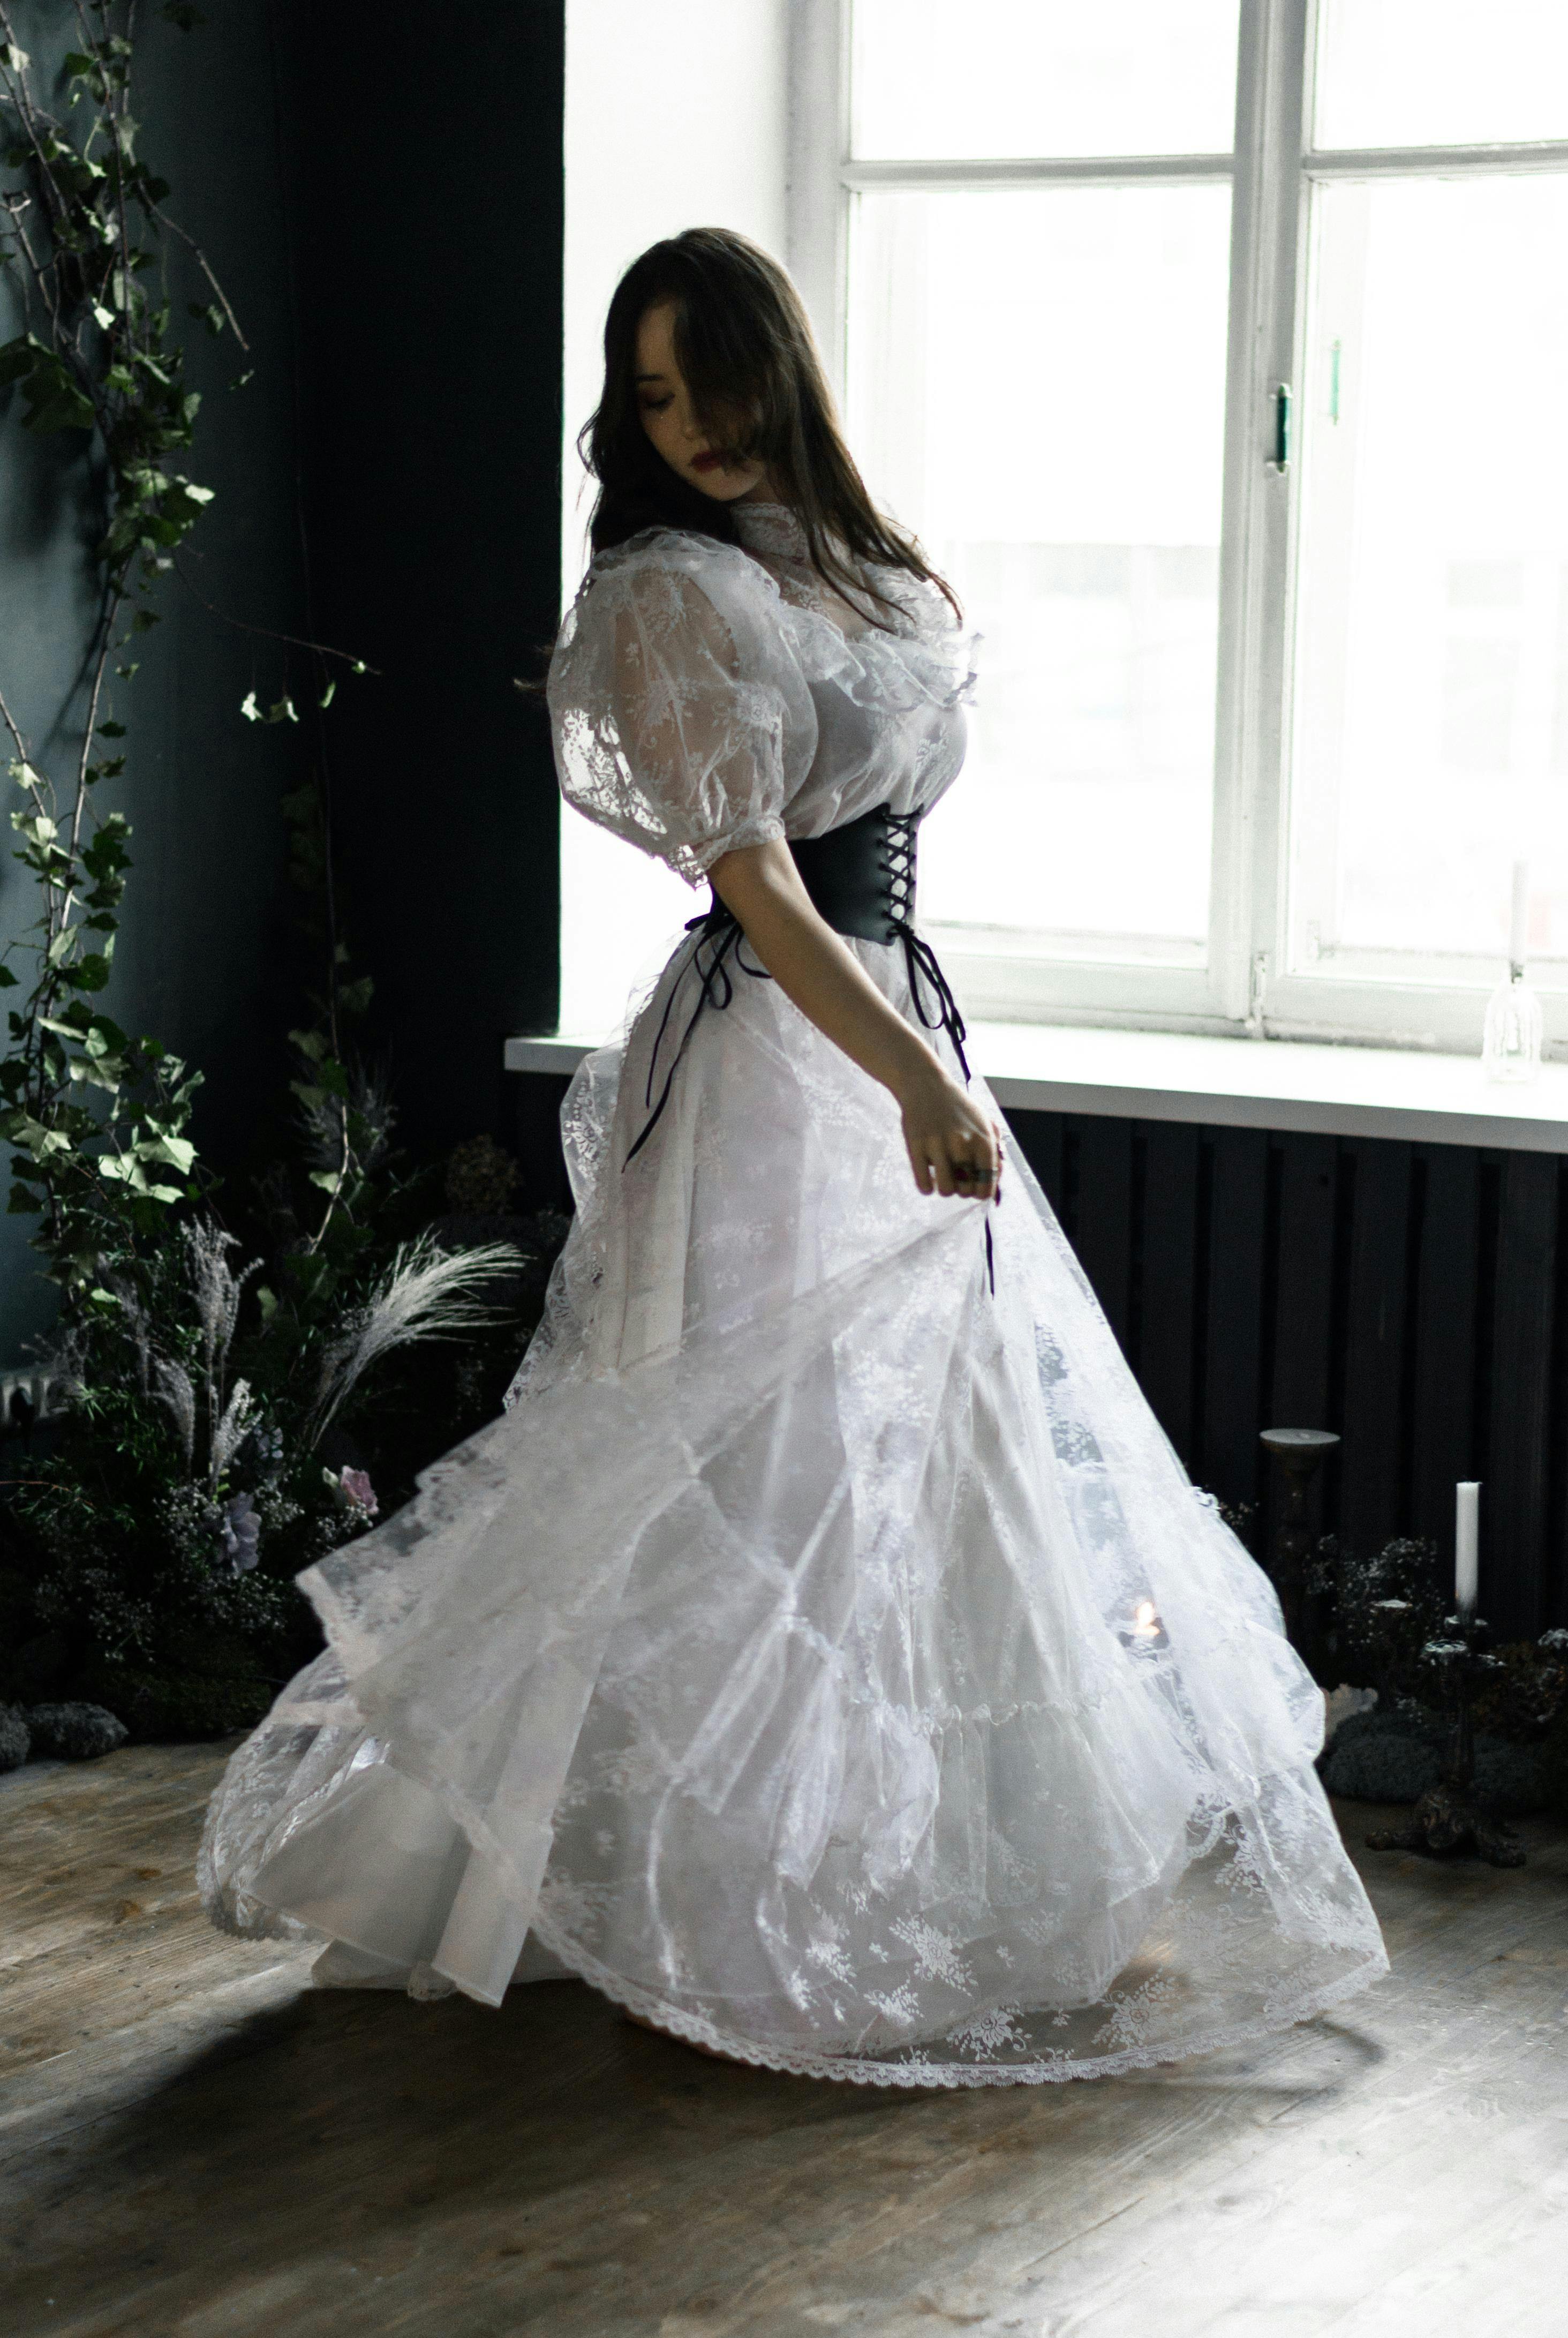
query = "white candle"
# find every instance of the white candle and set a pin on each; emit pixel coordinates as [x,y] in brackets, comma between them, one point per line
[1466,1544]
[1519,920]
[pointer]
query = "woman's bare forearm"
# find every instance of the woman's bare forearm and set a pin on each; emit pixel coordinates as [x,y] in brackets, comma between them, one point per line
[953,1147]
[810,964]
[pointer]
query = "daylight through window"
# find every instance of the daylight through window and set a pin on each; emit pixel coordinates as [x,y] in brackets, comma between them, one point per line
[1260,739]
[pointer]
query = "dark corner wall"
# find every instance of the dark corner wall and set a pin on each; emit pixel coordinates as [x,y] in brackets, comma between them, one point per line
[429,162]
[381,196]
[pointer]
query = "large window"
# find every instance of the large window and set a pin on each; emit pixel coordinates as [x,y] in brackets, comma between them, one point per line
[1215,351]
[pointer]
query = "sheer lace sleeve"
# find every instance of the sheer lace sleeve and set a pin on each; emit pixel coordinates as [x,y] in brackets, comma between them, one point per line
[682,718]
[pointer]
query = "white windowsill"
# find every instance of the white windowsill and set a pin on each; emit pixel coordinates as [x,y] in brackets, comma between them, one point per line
[1281,1084]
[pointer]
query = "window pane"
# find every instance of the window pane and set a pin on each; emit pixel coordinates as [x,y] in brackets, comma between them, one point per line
[1432,664]
[1037,386]
[1014,77]
[1441,73]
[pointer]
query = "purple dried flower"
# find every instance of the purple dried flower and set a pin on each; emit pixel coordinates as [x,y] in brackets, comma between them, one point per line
[352,1491]
[361,1491]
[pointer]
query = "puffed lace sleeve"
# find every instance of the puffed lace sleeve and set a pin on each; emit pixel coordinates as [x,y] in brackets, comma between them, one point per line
[683,720]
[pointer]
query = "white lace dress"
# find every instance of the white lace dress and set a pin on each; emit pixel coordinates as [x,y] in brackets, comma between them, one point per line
[825,1655]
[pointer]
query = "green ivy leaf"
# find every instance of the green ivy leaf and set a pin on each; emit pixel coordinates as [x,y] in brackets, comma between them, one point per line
[54,401]
[283,711]
[177,1151]
[40,1142]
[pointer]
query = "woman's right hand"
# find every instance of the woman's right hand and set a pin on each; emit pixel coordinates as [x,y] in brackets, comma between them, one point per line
[953,1146]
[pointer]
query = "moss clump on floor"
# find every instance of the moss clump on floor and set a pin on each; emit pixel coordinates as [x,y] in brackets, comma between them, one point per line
[15,1738]
[1394,1756]
[74,1732]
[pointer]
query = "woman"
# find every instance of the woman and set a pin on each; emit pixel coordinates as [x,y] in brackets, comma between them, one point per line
[825,1655]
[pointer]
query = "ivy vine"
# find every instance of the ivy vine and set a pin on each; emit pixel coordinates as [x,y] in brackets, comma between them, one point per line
[97,1121]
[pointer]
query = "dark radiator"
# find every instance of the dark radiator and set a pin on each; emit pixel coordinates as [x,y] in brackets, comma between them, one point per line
[1412,1297]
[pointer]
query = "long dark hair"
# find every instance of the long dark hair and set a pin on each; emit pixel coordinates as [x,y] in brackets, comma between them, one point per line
[745,347]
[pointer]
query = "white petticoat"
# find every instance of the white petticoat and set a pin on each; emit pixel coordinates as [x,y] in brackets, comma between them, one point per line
[825,1657]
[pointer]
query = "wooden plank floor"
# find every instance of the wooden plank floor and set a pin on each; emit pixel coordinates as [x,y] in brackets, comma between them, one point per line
[195,2144]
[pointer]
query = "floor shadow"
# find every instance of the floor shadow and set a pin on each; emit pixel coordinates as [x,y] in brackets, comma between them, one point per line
[348,2128]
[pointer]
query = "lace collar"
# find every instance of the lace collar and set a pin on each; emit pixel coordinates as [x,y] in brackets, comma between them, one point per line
[771,530]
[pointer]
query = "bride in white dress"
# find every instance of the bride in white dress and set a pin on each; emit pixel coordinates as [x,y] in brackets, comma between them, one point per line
[825,1655]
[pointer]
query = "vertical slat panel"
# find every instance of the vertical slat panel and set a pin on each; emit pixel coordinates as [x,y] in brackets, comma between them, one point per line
[1515,1507]
[1554,1558]
[1104,1229]
[1170,1261]
[1299,1395]
[1375,1331]
[1233,1359]
[1444,1365]
[1301,1364]
[1039,1139]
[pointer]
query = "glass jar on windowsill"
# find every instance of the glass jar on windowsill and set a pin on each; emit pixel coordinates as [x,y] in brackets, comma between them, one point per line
[1511,1044]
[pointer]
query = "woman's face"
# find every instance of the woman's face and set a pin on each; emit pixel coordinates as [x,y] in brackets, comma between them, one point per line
[675,432]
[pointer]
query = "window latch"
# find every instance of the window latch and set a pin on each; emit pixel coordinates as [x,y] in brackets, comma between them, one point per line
[1280,459]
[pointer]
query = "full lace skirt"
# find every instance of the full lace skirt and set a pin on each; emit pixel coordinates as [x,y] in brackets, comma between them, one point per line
[825,1655]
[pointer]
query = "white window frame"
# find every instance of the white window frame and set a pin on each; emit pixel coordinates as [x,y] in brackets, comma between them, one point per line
[1248,985]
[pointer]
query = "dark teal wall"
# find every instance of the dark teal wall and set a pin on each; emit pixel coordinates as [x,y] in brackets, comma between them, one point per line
[395,259]
[198,951]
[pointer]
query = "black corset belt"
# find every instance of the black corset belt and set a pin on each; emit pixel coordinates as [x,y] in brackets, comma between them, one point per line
[861,881]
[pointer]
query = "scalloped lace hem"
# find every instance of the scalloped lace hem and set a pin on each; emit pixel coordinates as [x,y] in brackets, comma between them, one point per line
[867,2070]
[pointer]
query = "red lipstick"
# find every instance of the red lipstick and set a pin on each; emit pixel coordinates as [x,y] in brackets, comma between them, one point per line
[707,462]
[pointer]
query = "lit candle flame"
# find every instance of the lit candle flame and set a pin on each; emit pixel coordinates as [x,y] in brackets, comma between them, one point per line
[1145,1622]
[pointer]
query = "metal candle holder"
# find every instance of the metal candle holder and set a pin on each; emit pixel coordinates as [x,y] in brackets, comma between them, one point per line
[1449,1819]
[1300,1453]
